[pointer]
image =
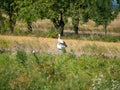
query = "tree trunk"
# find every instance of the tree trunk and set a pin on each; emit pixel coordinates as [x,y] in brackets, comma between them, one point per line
[105,29]
[12,21]
[1,19]
[61,31]
[2,22]
[76,29]
[75,24]
[61,25]
[11,27]
[29,26]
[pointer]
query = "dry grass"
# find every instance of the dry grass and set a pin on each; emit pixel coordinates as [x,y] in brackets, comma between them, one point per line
[49,45]
[116,22]
[39,25]
[46,25]
[114,26]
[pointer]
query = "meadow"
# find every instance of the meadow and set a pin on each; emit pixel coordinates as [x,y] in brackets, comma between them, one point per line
[48,45]
[87,65]
[91,61]
[28,71]
[30,60]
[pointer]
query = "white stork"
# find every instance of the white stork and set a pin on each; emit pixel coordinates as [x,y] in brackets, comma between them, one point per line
[61,44]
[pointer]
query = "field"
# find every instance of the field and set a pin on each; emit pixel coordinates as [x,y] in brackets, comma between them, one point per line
[48,45]
[91,61]
[30,59]
[87,65]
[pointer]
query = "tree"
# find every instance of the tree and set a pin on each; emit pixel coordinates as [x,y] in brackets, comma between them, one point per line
[102,13]
[116,4]
[28,12]
[11,9]
[79,12]
[32,10]
[57,12]
[1,17]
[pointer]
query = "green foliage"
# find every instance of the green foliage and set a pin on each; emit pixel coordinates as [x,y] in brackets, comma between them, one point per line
[59,72]
[5,71]
[21,57]
[102,13]
[57,13]
[79,12]
[36,58]
[101,82]
[28,12]
[63,50]
[107,38]
[4,43]
[53,33]
[10,8]
[95,37]
[111,38]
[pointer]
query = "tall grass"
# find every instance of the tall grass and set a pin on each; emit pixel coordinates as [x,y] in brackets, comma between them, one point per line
[58,72]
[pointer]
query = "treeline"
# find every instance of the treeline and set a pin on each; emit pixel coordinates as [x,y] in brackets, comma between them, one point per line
[58,11]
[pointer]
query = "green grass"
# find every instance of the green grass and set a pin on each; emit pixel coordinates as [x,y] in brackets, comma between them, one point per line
[22,71]
[94,37]
[4,43]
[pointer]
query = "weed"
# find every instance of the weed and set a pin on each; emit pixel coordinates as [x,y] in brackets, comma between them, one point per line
[36,58]
[102,83]
[21,57]
[58,72]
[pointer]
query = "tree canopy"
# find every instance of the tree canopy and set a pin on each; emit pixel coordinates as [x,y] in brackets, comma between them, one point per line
[10,8]
[102,12]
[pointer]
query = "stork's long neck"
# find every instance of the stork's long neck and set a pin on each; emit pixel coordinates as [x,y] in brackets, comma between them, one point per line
[59,37]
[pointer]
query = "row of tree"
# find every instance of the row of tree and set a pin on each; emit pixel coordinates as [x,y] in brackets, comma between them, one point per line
[100,11]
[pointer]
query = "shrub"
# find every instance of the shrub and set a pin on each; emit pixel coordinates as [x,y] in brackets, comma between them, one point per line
[21,57]
[53,33]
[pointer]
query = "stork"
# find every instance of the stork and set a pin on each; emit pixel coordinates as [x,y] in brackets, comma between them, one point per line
[61,44]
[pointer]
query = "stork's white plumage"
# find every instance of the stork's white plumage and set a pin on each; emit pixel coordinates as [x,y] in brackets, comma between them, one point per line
[61,44]
[60,40]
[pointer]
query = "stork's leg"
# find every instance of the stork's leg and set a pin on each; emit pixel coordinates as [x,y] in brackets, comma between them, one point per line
[60,51]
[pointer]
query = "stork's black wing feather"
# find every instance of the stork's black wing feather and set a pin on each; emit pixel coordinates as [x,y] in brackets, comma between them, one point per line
[64,44]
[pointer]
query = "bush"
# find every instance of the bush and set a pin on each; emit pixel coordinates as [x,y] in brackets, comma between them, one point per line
[53,33]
